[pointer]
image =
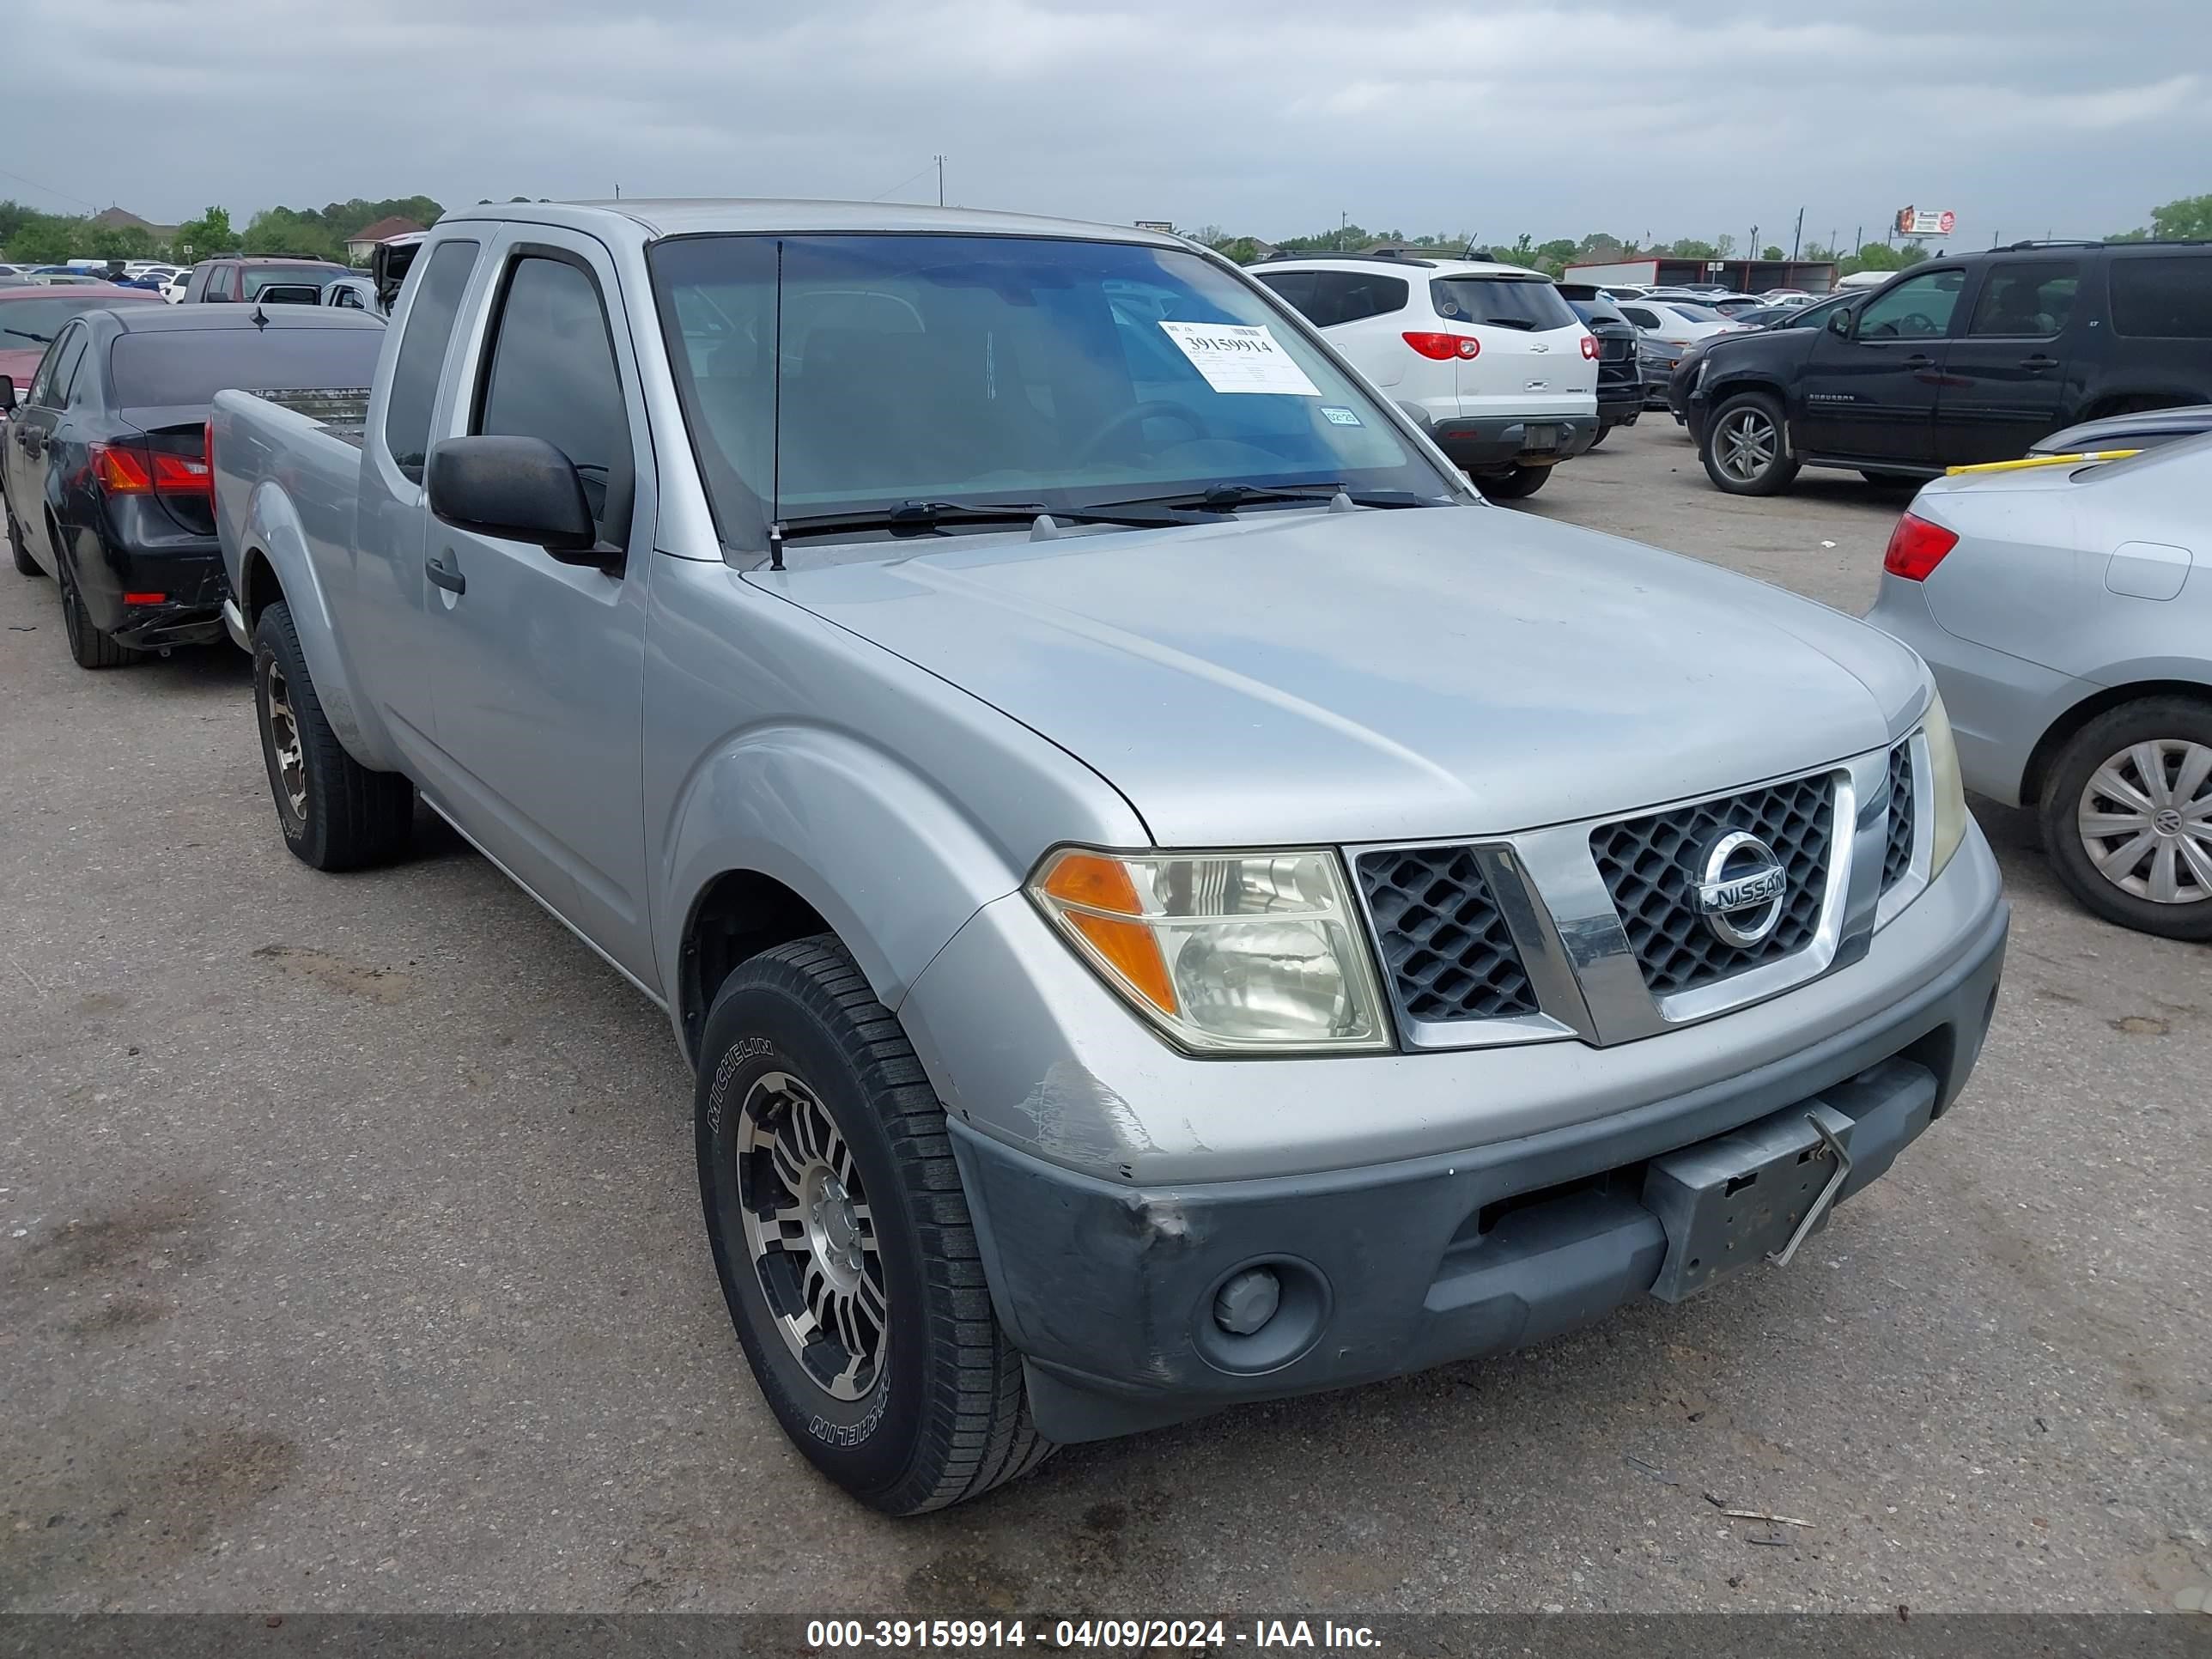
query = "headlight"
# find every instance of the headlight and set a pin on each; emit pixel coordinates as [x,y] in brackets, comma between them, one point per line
[1950,789]
[1226,952]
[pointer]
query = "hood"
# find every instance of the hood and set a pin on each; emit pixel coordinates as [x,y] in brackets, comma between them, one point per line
[1319,677]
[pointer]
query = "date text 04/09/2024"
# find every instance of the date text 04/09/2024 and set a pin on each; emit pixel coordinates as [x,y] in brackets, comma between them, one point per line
[1109,1633]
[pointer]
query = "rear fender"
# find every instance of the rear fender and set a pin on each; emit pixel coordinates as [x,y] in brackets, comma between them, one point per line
[270,531]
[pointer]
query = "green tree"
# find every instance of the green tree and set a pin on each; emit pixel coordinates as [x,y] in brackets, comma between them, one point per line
[1770,252]
[281,230]
[209,233]
[1911,254]
[1242,249]
[2187,220]
[1874,256]
[1689,247]
[47,238]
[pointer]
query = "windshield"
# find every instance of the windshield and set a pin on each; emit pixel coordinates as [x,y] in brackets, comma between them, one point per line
[874,370]
[27,323]
[315,276]
[1533,305]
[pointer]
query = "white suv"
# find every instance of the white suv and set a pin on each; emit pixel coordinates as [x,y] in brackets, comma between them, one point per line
[1488,357]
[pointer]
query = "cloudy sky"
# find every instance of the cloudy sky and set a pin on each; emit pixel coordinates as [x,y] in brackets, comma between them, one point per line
[1671,117]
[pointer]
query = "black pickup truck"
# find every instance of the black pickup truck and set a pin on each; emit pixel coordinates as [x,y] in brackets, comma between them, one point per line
[1960,360]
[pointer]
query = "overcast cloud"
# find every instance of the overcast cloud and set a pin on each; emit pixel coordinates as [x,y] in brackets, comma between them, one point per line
[1696,118]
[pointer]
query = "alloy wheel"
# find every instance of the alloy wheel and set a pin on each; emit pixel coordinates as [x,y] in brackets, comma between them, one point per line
[1744,444]
[2145,819]
[284,739]
[810,1236]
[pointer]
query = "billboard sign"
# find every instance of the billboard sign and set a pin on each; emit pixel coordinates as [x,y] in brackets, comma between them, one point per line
[1926,221]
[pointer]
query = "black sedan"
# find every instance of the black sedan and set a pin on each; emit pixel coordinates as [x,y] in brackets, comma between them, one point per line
[105,461]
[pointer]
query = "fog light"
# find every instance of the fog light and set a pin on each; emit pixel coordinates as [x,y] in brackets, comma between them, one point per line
[1248,1301]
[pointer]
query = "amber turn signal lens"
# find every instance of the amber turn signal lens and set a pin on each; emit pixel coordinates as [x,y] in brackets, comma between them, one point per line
[1095,883]
[1132,950]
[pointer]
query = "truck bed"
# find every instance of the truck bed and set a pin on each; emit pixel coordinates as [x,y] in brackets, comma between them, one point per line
[341,411]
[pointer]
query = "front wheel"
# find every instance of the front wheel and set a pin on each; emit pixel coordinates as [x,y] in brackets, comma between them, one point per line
[2127,816]
[1744,451]
[844,1245]
[1517,485]
[336,813]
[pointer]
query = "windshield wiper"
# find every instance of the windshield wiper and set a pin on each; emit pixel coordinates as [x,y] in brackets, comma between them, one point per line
[922,518]
[26,334]
[1228,497]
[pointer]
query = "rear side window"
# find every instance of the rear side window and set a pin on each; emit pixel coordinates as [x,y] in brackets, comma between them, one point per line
[2031,300]
[170,367]
[2163,296]
[1532,307]
[223,282]
[551,375]
[422,356]
[1330,298]
[53,379]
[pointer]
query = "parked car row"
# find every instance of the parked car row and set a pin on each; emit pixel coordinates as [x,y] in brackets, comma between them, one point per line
[103,453]
[1038,819]
[1961,360]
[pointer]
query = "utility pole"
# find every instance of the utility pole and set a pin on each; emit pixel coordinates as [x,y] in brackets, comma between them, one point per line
[1797,236]
[1343,224]
[940,181]
[618,192]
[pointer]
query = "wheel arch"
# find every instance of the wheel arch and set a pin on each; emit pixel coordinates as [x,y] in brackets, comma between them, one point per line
[793,829]
[2100,701]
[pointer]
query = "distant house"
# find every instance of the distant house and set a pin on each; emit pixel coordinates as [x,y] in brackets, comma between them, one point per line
[115,218]
[363,242]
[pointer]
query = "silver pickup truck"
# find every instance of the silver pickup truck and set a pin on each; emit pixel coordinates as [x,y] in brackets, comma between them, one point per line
[1169,899]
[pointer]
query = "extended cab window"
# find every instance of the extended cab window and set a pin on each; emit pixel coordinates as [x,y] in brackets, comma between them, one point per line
[2031,300]
[1917,308]
[422,357]
[551,375]
[2164,296]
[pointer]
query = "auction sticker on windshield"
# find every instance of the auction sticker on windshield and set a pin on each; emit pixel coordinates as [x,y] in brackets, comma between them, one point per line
[1240,357]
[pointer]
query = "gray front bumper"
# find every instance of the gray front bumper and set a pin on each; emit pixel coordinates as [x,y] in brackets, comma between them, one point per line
[1108,1289]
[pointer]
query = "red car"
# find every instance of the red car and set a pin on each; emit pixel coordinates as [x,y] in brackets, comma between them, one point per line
[30,317]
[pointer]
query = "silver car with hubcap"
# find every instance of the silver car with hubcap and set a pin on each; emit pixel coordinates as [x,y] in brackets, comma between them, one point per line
[2066,611]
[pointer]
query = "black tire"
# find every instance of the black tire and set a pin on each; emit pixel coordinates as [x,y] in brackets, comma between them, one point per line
[1600,439]
[1520,483]
[88,646]
[25,564]
[1747,414]
[938,1413]
[1890,480]
[336,813]
[2108,737]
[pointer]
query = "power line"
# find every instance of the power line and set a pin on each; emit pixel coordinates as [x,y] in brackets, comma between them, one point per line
[936,165]
[49,190]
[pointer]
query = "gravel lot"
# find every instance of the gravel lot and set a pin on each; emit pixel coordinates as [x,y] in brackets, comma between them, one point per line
[351,1258]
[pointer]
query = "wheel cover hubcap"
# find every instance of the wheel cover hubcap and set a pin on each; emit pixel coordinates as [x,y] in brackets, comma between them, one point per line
[810,1236]
[284,741]
[2145,820]
[1747,444]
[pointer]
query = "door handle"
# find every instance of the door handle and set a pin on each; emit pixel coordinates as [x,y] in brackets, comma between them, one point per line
[1918,359]
[451,579]
[2038,362]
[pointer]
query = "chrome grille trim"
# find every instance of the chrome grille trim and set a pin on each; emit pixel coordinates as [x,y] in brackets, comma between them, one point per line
[1581,967]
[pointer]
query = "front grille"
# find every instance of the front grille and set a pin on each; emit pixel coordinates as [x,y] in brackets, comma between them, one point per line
[1446,945]
[1897,856]
[1651,865]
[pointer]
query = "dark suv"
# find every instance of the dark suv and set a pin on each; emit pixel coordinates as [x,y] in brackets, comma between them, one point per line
[1620,376]
[1958,360]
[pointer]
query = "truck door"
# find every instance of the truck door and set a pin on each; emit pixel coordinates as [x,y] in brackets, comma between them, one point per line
[1868,387]
[2004,381]
[539,666]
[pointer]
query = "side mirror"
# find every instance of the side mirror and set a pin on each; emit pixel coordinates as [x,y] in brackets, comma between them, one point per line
[1840,322]
[7,394]
[522,490]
